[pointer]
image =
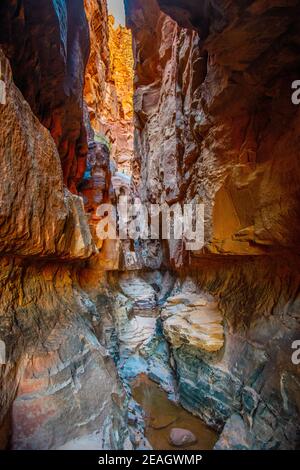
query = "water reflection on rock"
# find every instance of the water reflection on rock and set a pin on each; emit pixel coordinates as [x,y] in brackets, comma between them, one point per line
[162,415]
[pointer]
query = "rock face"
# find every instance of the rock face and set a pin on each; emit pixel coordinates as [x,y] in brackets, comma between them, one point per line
[59,383]
[221,110]
[139,291]
[95,186]
[142,346]
[109,83]
[215,124]
[253,375]
[39,218]
[98,84]
[195,320]
[47,43]
[121,63]
[67,374]
[109,121]
[121,128]
[182,437]
[234,435]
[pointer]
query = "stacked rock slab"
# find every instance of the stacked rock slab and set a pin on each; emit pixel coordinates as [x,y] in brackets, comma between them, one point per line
[58,383]
[47,43]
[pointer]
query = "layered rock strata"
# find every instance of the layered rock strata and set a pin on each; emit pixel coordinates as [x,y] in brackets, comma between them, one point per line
[58,382]
[215,124]
[214,119]
[47,43]
[109,83]
[121,129]
[195,320]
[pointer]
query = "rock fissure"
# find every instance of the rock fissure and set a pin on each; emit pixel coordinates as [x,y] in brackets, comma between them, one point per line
[140,344]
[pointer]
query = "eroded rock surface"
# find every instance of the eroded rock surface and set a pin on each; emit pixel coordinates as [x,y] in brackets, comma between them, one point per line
[195,320]
[109,83]
[215,124]
[59,382]
[71,375]
[39,216]
[47,43]
[214,118]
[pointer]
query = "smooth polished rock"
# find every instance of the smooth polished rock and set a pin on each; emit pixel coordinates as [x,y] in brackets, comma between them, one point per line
[182,437]
[137,332]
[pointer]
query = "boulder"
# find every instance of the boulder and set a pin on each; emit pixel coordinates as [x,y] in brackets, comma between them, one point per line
[182,437]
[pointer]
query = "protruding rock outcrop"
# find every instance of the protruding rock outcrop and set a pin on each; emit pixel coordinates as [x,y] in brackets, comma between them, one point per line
[109,83]
[47,43]
[39,217]
[195,320]
[215,124]
[58,383]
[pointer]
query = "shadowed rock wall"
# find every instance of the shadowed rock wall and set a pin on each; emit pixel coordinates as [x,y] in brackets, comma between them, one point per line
[58,383]
[47,43]
[215,124]
[109,83]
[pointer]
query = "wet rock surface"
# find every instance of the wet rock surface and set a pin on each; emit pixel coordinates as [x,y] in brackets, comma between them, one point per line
[182,437]
[165,419]
[252,375]
[142,345]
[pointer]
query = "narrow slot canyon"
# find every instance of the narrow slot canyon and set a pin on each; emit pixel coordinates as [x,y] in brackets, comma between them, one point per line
[147,341]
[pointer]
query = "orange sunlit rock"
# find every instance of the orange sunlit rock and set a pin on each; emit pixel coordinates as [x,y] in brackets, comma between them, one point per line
[109,83]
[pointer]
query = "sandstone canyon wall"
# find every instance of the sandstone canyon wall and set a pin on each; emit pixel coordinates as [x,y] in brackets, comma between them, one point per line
[108,95]
[47,44]
[215,124]
[109,84]
[59,383]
